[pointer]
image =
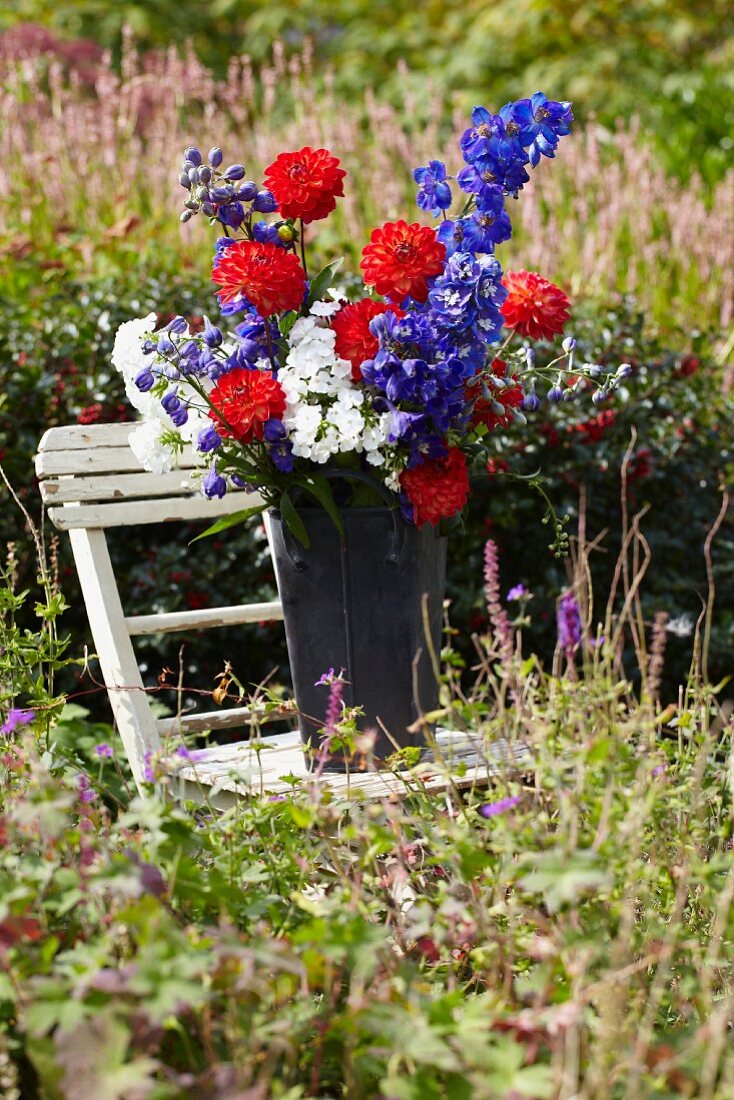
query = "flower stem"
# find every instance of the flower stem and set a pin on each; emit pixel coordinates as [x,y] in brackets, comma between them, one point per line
[303,249]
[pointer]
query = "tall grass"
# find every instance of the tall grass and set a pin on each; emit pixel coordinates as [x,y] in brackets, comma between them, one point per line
[88,177]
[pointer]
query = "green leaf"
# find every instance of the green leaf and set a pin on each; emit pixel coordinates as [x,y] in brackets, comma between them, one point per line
[293,521]
[230,521]
[321,282]
[318,486]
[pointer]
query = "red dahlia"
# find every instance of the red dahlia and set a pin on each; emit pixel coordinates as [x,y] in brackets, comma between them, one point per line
[534,307]
[511,397]
[401,258]
[354,341]
[268,276]
[306,183]
[437,489]
[243,400]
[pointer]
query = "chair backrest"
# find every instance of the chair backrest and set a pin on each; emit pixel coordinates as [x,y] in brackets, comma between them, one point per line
[90,480]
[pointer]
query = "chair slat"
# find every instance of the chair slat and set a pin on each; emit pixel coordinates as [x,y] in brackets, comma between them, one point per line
[96,460]
[219,720]
[65,490]
[75,437]
[129,513]
[168,622]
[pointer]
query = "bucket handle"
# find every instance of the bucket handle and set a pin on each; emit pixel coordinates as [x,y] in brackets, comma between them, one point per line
[397,535]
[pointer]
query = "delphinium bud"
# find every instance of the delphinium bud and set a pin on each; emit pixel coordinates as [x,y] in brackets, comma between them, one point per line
[194,175]
[180,415]
[215,156]
[186,215]
[145,379]
[178,324]
[248,191]
[600,396]
[170,402]
[531,402]
[569,395]
[212,335]
[234,172]
[222,193]
[624,370]
[214,485]
[265,202]
[555,394]
[184,180]
[193,155]
[165,345]
[148,347]
[171,372]
[208,209]
[205,174]
[568,344]
[208,439]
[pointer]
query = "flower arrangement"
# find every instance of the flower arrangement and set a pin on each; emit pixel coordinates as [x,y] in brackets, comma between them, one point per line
[406,381]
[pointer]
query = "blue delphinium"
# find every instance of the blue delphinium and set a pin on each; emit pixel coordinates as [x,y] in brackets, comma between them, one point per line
[434,191]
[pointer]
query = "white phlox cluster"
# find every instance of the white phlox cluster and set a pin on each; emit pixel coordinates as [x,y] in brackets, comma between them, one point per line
[325,412]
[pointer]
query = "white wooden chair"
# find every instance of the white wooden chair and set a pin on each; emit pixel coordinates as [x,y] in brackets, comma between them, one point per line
[90,481]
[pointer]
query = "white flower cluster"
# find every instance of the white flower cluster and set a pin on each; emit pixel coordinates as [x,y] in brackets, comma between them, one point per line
[326,414]
[145,438]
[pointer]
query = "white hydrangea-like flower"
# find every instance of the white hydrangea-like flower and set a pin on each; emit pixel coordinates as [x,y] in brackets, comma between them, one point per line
[150,451]
[127,353]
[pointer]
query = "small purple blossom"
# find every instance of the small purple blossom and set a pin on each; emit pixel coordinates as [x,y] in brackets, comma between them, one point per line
[518,592]
[16,717]
[569,622]
[148,770]
[104,750]
[194,755]
[327,678]
[493,809]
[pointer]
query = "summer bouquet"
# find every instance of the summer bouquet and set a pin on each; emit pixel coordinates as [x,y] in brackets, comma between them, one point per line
[404,379]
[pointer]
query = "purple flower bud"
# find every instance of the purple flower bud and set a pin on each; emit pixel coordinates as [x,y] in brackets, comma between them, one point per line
[148,347]
[568,344]
[208,440]
[223,193]
[248,191]
[624,370]
[569,395]
[180,415]
[205,174]
[193,154]
[265,202]
[555,394]
[165,346]
[208,210]
[265,233]
[189,349]
[600,397]
[234,172]
[215,156]
[184,180]
[212,335]
[194,176]
[531,402]
[171,372]
[214,484]
[145,379]
[170,401]
[178,324]
[186,215]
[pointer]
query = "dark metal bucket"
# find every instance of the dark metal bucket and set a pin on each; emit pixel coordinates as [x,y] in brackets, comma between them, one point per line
[357,604]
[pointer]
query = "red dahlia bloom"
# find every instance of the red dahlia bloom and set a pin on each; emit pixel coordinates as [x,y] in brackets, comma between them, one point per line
[268,276]
[534,307]
[306,183]
[511,397]
[401,258]
[437,489]
[354,341]
[243,400]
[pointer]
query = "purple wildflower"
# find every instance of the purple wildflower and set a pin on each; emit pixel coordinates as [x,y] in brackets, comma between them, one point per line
[193,755]
[16,717]
[148,770]
[327,679]
[492,809]
[569,622]
[104,750]
[519,592]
